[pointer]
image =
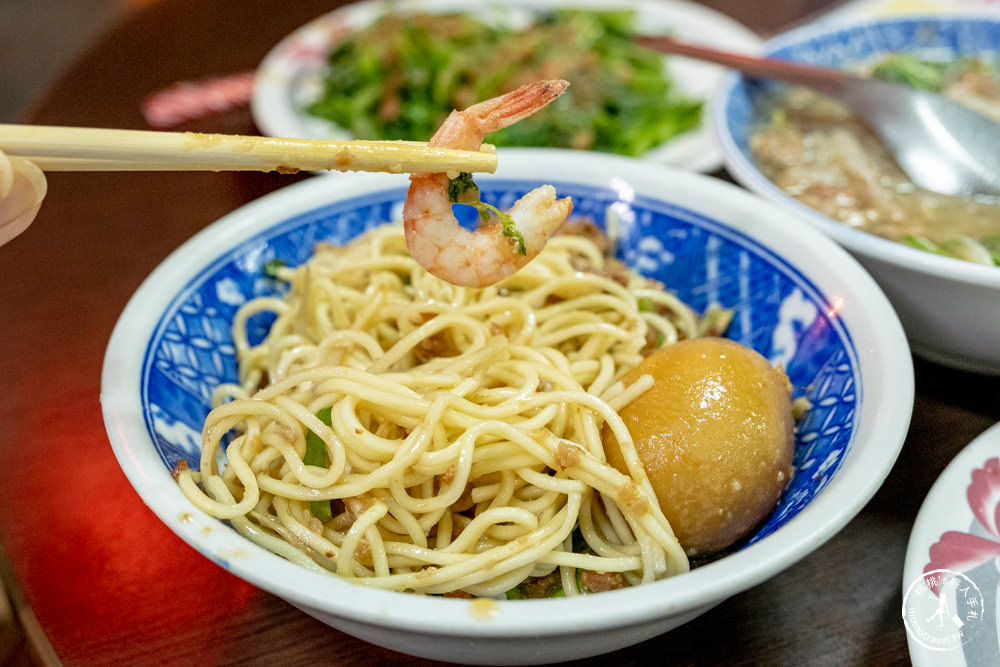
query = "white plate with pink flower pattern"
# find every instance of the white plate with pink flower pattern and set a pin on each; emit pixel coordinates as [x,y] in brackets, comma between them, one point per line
[951,578]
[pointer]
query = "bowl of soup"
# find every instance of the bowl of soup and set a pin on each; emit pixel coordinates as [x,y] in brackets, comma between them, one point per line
[935,256]
[465,474]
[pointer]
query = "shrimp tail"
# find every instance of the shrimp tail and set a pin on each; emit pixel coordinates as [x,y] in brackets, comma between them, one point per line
[507,109]
[462,128]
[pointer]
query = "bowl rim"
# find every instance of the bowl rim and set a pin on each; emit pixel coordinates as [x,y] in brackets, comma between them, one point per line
[745,172]
[886,373]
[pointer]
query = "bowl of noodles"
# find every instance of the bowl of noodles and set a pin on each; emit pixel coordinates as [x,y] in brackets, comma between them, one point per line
[424,466]
[935,256]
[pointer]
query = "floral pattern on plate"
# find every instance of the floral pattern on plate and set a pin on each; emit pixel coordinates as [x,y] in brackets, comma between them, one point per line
[956,539]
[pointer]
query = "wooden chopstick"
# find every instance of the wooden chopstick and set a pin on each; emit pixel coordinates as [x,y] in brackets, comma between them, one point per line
[93,149]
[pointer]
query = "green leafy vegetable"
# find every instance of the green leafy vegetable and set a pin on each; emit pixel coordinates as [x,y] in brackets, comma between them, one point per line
[316,456]
[983,251]
[399,77]
[968,249]
[509,229]
[554,589]
[992,245]
[463,190]
[779,117]
[909,70]
[921,243]
[271,266]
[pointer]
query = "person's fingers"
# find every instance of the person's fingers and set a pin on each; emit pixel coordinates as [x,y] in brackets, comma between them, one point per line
[22,189]
[6,175]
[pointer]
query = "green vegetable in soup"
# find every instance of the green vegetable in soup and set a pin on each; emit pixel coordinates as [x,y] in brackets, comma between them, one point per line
[992,245]
[818,152]
[909,70]
[969,249]
[400,77]
[983,251]
[921,243]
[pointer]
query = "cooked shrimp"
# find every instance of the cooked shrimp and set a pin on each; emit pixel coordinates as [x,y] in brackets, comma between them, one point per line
[486,256]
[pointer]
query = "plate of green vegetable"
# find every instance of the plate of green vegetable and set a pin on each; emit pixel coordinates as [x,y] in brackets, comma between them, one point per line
[378,70]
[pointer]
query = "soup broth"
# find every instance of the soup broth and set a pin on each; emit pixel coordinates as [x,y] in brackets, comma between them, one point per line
[818,152]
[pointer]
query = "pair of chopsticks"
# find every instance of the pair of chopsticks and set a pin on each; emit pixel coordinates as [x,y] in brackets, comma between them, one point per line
[90,149]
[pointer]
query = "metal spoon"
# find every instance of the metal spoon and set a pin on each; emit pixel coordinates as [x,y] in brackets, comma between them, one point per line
[942,146]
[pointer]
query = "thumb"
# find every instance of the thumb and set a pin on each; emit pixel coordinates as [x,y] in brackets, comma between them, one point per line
[22,188]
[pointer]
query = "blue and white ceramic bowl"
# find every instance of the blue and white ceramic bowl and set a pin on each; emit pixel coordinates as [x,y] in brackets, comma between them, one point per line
[798,299]
[948,307]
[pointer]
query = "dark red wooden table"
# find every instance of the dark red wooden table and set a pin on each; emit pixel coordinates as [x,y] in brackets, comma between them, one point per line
[108,584]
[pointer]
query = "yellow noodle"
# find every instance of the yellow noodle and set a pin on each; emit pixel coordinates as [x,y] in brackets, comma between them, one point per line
[464,442]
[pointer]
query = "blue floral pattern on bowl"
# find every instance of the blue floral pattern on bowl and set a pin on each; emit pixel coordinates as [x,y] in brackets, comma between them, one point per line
[777,311]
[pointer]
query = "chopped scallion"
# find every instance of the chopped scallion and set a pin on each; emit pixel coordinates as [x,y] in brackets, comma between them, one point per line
[316,456]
